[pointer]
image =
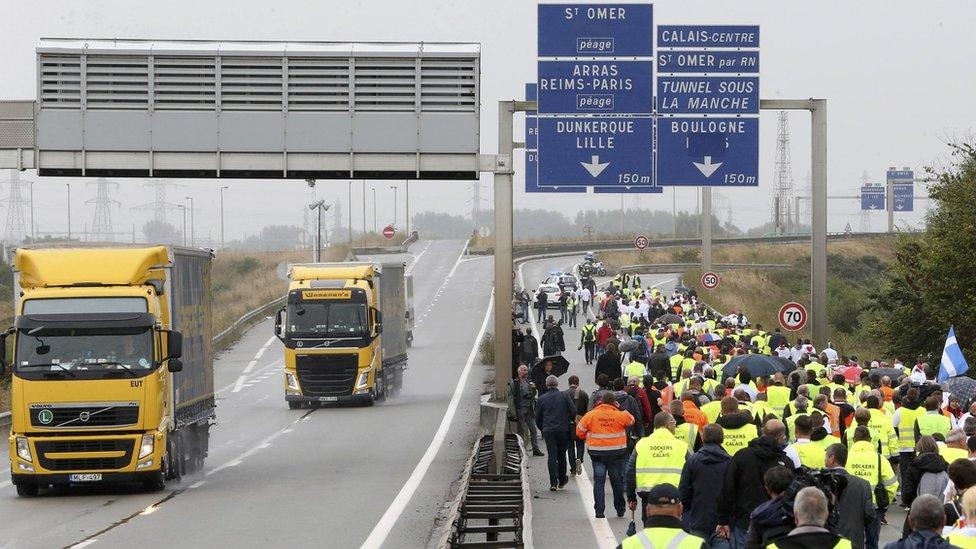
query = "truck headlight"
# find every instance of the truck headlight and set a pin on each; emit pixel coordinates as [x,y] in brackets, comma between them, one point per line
[147,446]
[23,449]
[363,380]
[291,381]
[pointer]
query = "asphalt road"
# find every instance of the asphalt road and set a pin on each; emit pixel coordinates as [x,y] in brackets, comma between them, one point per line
[331,477]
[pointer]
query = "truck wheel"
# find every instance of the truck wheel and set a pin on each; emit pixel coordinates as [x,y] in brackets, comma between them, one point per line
[27,490]
[294,405]
[155,485]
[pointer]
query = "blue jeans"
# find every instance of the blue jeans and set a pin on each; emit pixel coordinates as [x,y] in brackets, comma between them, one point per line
[738,538]
[872,532]
[601,467]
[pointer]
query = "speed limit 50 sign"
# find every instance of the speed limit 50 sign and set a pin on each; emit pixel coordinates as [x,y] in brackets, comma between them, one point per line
[641,242]
[709,280]
[793,316]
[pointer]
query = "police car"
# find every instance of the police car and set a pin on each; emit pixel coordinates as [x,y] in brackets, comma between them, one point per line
[552,294]
[566,281]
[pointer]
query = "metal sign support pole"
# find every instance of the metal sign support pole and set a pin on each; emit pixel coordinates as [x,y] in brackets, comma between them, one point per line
[706,221]
[818,226]
[890,204]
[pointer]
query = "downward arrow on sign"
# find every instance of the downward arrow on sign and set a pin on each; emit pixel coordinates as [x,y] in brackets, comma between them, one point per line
[595,167]
[706,167]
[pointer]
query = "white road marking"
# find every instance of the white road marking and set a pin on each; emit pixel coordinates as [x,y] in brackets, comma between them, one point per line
[197,484]
[239,384]
[266,442]
[464,250]
[417,257]
[605,538]
[85,543]
[393,512]
[447,279]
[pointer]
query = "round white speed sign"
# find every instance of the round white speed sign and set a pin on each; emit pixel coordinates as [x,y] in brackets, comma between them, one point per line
[793,316]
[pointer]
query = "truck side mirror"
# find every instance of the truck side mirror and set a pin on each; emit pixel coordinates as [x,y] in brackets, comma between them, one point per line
[174,345]
[279,328]
[3,352]
[174,365]
[378,320]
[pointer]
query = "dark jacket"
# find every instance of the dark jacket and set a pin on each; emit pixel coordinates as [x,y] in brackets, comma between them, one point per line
[742,488]
[819,539]
[553,341]
[658,363]
[582,402]
[701,484]
[628,403]
[609,364]
[530,350]
[928,462]
[554,412]
[768,522]
[925,539]
[855,509]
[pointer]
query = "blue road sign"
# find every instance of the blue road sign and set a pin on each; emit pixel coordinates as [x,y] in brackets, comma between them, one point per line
[596,30]
[904,197]
[531,91]
[532,177]
[708,36]
[628,190]
[900,174]
[873,198]
[611,87]
[707,61]
[708,151]
[595,151]
[531,133]
[708,94]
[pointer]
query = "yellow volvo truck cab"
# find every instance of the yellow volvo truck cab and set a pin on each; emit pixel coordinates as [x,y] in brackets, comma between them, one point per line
[112,365]
[345,329]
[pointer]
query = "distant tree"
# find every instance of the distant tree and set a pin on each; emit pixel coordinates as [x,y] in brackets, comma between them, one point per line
[932,283]
[441,225]
[276,237]
[160,232]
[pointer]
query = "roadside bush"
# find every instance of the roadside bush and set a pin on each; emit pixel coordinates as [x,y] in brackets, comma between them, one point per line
[486,349]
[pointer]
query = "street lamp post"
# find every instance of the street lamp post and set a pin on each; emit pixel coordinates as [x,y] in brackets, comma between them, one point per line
[394,187]
[408,206]
[374,209]
[192,239]
[320,206]
[68,186]
[183,211]
[222,216]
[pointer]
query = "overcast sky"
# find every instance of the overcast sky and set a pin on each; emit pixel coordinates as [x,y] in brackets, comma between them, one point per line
[898,77]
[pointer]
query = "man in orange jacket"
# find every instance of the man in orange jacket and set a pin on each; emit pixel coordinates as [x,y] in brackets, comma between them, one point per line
[605,430]
[692,413]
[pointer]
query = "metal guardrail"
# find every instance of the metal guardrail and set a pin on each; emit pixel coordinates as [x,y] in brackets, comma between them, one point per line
[218,339]
[681,267]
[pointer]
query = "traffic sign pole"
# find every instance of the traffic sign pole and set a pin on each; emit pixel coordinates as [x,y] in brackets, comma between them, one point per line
[706,229]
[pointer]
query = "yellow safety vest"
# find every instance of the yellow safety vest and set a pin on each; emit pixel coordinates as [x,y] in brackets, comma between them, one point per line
[875,441]
[687,432]
[589,332]
[930,423]
[712,410]
[662,538]
[737,439]
[952,454]
[778,397]
[761,409]
[963,539]
[791,425]
[842,543]
[635,368]
[660,458]
[881,423]
[676,364]
[688,364]
[811,454]
[862,462]
[906,428]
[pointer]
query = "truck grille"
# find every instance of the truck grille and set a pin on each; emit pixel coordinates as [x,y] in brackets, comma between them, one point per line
[81,463]
[84,417]
[326,375]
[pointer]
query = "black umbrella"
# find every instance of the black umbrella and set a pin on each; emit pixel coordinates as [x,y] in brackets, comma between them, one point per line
[758,365]
[559,365]
[670,318]
[893,373]
[961,387]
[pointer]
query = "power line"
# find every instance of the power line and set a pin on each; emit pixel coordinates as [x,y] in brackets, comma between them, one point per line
[783,199]
[102,219]
[15,229]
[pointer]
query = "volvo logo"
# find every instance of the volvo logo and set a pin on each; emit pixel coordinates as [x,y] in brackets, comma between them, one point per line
[45,416]
[84,416]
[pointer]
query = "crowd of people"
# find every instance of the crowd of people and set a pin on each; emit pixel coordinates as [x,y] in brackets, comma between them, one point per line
[714,450]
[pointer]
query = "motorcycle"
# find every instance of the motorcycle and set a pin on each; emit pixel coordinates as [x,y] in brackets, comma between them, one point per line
[587,269]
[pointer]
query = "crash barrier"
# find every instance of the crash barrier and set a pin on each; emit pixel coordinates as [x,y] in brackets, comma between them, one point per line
[371,250]
[681,267]
[582,246]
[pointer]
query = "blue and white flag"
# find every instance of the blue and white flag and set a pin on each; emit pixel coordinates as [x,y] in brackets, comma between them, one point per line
[953,363]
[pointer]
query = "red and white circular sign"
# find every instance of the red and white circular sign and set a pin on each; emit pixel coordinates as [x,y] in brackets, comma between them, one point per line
[641,242]
[389,232]
[709,280]
[793,316]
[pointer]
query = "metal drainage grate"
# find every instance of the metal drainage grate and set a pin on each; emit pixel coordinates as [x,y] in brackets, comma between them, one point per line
[492,506]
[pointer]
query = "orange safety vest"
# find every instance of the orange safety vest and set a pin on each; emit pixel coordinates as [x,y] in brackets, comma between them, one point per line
[605,428]
[667,395]
[833,415]
[694,415]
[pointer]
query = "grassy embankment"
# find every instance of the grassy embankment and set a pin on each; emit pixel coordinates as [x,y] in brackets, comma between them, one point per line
[853,271]
[241,281]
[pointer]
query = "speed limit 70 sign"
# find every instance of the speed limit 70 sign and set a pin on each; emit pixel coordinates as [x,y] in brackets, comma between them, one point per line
[709,280]
[793,316]
[641,242]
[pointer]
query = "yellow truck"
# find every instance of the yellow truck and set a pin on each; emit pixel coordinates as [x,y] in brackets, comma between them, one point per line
[112,365]
[345,328]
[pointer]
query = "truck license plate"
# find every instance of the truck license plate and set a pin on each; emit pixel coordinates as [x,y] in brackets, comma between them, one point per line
[328,399]
[88,477]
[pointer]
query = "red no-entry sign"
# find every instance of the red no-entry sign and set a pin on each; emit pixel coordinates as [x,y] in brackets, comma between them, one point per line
[389,232]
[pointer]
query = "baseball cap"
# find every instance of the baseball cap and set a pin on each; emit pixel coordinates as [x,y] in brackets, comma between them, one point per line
[663,494]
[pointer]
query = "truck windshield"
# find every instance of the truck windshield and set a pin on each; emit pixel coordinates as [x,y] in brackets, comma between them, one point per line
[84,350]
[327,319]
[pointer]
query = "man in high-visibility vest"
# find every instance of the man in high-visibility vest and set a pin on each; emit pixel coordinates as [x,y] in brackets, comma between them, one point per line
[881,424]
[955,446]
[865,462]
[605,430]
[636,369]
[662,525]
[714,408]
[811,455]
[737,425]
[778,395]
[684,430]
[657,459]
[862,418]
[904,421]
[810,512]
[932,421]
[588,340]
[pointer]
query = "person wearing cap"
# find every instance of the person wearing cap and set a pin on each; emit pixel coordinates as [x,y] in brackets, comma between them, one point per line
[555,412]
[662,525]
[657,459]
